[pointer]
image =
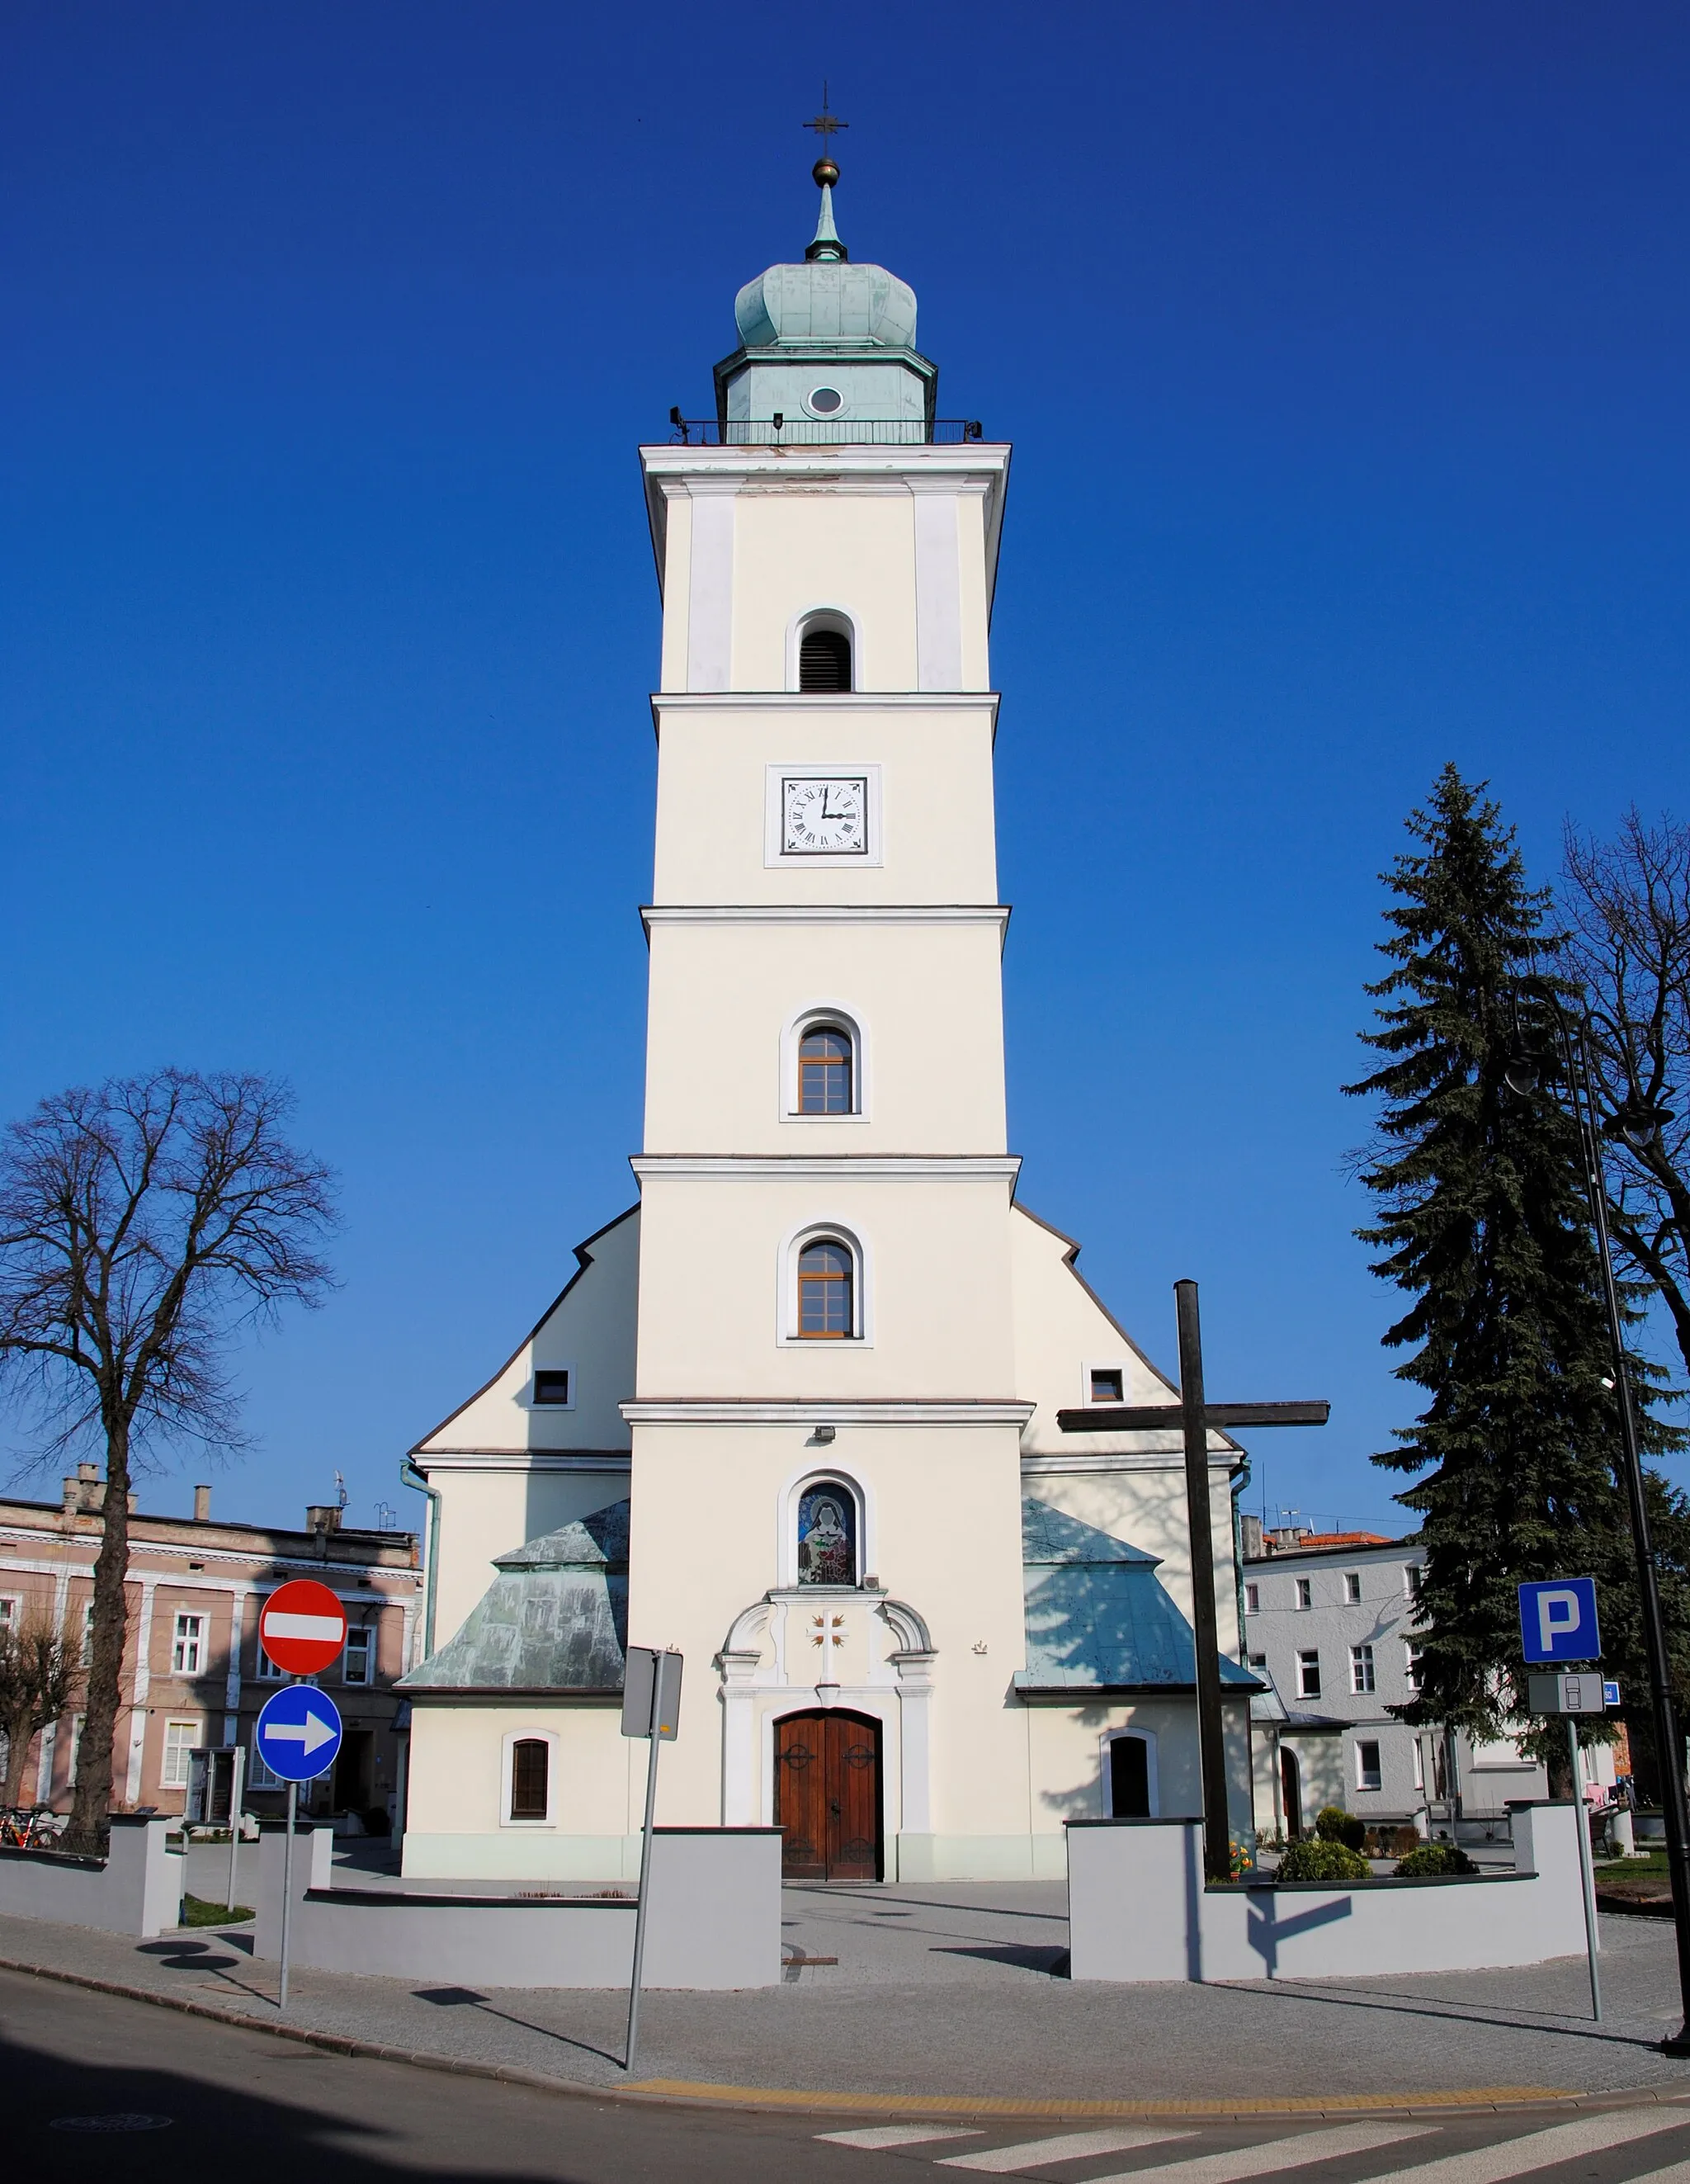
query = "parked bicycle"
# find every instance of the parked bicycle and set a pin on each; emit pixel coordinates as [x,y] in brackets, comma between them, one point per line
[29,1827]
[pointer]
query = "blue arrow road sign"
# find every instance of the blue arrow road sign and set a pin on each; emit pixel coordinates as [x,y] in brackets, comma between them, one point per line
[1558,1620]
[299,1733]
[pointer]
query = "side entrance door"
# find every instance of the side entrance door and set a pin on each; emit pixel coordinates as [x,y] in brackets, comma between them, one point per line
[827,1796]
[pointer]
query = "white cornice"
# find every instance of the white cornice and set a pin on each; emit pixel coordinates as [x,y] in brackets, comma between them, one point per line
[521,1459]
[1042,1463]
[825,913]
[859,1168]
[710,1410]
[826,705]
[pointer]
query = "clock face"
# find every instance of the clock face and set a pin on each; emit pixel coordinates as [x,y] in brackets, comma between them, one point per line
[825,815]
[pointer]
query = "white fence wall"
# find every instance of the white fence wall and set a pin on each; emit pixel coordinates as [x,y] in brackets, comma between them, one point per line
[1138,1909]
[137,1889]
[714,1920]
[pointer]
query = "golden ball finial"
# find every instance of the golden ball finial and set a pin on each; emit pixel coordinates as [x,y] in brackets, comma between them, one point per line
[824,173]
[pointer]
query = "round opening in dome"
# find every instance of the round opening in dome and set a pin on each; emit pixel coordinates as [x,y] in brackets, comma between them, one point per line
[826,401]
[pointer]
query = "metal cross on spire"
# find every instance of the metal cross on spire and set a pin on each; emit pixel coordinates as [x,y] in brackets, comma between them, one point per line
[826,125]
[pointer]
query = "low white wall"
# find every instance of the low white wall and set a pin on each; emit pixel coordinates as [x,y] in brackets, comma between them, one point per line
[1138,1909]
[136,1889]
[714,1920]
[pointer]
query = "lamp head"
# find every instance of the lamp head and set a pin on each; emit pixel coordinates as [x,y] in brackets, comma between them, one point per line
[1639,1123]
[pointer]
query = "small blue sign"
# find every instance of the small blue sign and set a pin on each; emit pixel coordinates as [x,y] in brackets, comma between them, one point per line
[1558,1620]
[298,1733]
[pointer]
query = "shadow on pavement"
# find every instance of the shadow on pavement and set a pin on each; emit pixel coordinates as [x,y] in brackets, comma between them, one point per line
[465,1998]
[1026,1956]
[83,2122]
[1450,2013]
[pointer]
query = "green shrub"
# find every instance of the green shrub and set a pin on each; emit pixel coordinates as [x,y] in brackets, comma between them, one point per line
[1333,1824]
[1318,1858]
[1434,1858]
[196,1911]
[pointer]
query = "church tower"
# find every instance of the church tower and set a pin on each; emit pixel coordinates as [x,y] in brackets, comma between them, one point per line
[825,1318]
[800,1412]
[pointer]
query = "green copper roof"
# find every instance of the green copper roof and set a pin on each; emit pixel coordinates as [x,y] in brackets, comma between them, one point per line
[555,1618]
[826,299]
[1097,1616]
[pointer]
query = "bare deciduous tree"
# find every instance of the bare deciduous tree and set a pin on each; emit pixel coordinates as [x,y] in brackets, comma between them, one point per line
[41,1672]
[1628,905]
[141,1224]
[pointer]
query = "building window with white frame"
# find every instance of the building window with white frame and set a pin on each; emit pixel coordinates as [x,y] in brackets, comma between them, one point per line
[1252,1600]
[527,1776]
[264,1667]
[258,1776]
[180,1739]
[1361,1668]
[1414,1576]
[1352,1588]
[1305,1592]
[1104,1384]
[8,1610]
[188,1647]
[826,1306]
[1413,1658]
[359,1666]
[1368,1774]
[1309,1674]
[1420,1765]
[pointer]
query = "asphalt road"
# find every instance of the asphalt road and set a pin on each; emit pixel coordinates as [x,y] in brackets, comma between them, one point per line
[79,2072]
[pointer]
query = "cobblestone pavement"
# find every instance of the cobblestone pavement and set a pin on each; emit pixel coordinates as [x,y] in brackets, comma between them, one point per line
[957,1993]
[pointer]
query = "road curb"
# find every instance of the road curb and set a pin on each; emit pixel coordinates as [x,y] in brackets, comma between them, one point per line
[683,2092]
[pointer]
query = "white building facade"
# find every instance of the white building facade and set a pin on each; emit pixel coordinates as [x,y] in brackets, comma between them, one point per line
[797,1412]
[1331,1624]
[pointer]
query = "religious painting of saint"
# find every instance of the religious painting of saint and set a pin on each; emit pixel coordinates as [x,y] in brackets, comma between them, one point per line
[827,1535]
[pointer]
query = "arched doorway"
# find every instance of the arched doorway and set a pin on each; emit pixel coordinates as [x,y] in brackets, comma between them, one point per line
[827,1796]
[1291,1790]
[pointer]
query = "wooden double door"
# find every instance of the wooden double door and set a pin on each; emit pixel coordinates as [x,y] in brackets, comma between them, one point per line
[827,1796]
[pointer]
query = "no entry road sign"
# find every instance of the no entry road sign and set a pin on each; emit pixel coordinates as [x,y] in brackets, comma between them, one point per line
[1558,1620]
[301,1626]
[299,1733]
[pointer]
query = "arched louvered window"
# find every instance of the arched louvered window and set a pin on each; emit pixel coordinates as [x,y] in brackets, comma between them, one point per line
[825,1064]
[824,660]
[824,1281]
[531,1760]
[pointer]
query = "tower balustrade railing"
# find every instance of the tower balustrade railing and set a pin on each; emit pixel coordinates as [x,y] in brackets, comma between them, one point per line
[786,431]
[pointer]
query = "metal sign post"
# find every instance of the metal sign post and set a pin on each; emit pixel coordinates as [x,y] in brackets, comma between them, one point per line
[236,1769]
[651,1707]
[1558,1621]
[298,1738]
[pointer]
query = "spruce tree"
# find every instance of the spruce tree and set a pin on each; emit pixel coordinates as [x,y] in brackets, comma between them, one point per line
[1482,1219]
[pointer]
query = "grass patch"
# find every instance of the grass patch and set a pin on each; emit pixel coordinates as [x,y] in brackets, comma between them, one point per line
[196,1911]
[1653,1867]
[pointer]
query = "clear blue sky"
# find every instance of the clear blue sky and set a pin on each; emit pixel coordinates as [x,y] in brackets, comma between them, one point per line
[1343,350]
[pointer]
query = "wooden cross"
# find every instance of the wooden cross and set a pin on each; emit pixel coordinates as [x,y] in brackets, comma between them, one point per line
[1195,1417]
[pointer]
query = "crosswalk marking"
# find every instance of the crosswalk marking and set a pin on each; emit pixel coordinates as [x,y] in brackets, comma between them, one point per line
[894,2134]
[1266,2160]
[1070,2146]
[1540,2149]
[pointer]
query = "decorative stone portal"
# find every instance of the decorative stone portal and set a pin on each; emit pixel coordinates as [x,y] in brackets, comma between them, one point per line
[827,1796]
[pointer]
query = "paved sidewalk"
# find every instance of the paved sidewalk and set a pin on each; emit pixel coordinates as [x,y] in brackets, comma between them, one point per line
[944,1998]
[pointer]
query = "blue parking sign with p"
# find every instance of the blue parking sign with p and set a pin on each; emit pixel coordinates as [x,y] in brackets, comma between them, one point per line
[1558,1620]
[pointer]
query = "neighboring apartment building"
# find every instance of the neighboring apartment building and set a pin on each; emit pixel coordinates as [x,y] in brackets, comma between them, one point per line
[193,1671]
[1330,1618]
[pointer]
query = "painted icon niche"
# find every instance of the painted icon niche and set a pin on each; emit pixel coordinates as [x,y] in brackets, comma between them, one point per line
[827,1534]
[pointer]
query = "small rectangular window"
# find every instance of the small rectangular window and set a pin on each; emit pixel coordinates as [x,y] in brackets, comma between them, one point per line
[180,1739]
[1305,1592]
[1367,1772]
[360,1656]
[1361,1667]
[1412,1658]
[530,1768]
[1419,1765]
[264,1667]
[188,1646]
[1252,1600]
[1308,1675]
[1106,1383]
[1259,1661]
[1413,1575]
[552,1387]
[8,1610]
[258,1776]
[1352,1587]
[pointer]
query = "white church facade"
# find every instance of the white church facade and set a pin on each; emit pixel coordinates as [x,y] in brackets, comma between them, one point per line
[924,1624]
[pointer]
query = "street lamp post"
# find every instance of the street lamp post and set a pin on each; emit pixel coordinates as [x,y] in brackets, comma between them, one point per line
[1637,1122]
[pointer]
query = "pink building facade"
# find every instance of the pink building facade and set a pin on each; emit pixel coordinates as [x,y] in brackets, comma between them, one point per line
[193,1671]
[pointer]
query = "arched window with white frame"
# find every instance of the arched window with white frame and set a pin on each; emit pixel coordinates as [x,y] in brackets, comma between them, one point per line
[824,1286]
[824,654]
[823,1072]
